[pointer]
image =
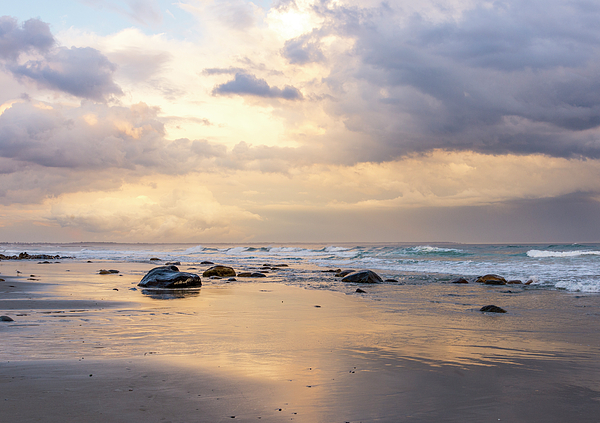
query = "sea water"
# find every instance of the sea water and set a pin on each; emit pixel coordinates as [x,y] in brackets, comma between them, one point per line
[568,267]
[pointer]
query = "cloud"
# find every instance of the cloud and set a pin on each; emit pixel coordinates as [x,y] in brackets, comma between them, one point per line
[245,84]
[172,209]
[32,36]
[82,72]
[145,12]
[303,49]
[494,78]
[222,71]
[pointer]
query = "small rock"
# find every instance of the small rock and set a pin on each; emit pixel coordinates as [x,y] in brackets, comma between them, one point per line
[280,265]
[514,282]
[390,280]
[222,271]
[360,291]
[251,275]
[232,280]
[460,280]
[363,276]
[207,262]
[6,319]
[215,277]
[492,309]
[154,259]
[343,273]
[173,263]
[491,280]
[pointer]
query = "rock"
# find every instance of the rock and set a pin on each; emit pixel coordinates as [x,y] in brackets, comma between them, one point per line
[460,280]
[491,280]
[391,280]
[222,271]
[169,277]
[207,262]
[360,291]
[215,277]
[363,276]
[173,263]
[6,319]
[529,282]
[251,275]
[280,265]
[514,282]
[107,272]
[154,259]
[343,273]
[331,271]
[492,309]
[232,280]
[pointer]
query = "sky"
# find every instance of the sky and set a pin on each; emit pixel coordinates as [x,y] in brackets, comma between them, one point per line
[300,121]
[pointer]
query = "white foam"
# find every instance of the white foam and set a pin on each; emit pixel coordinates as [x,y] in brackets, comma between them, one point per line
[560,254]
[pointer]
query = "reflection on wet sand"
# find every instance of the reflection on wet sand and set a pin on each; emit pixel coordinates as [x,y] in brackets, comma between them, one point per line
[170,294]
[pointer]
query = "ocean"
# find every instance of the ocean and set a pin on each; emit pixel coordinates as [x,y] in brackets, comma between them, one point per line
[565,267]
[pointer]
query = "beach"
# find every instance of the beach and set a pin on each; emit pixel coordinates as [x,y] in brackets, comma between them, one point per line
[91,347]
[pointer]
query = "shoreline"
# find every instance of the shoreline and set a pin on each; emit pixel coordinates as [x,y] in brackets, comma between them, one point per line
[413,353]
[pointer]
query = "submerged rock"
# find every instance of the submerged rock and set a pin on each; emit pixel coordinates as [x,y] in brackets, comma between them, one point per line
[169,277]
[363,276]
[492,309]
[218,270]
[491,280]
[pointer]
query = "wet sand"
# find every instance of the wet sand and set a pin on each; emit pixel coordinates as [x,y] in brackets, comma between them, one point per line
[85,347]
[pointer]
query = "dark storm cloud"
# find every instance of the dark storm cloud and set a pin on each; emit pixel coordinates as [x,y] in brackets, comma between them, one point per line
[245,84]
[82,72]
[508,77]
[33,35]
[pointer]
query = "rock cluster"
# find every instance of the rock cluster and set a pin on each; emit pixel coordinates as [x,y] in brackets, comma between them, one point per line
[491,280]
[27,256]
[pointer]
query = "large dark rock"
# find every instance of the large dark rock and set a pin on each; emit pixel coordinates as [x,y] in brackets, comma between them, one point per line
[492,309]
[363,276]
[491,280]
[169,277]
[218,270]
